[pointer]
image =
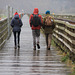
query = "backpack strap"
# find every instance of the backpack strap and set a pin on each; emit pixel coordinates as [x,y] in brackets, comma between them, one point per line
[32,14]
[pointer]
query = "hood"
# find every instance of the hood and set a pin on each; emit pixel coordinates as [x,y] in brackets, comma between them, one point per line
[36,11]
[16,13]
[16,16]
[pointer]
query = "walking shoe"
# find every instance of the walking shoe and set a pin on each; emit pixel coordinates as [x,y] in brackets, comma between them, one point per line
[38,46]
[34,48]
[18,46]
[15,47]
[48,48]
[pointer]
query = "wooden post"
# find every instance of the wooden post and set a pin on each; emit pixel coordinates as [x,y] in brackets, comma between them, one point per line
[12,12]
[8,21]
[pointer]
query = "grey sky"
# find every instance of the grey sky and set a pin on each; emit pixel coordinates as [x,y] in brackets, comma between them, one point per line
[55,6]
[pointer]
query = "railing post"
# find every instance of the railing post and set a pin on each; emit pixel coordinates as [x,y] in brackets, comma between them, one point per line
[8,11]
[12,12]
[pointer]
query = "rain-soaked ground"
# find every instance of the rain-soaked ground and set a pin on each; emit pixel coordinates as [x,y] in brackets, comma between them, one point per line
[26,61]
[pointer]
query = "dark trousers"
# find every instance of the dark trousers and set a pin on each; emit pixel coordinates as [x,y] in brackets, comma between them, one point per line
[16,38]
[48,40]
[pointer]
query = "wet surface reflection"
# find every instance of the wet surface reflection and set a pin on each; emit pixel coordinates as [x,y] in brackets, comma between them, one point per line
[35,68]
[17,65]
[36,52]
[48,52]
[17,52]
[26,61]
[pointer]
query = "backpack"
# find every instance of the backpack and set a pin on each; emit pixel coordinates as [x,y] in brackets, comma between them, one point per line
[36,20]
[48,21]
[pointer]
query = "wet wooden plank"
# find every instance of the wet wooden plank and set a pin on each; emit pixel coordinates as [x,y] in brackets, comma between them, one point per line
[26,61]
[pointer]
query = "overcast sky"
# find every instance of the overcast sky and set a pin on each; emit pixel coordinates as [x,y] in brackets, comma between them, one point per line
[55,6]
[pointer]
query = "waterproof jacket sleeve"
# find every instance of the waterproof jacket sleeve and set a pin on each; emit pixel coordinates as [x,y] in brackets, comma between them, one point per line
[41,19]
[20,23]
[12,23]
[53,26]
[30,20]
[43,25]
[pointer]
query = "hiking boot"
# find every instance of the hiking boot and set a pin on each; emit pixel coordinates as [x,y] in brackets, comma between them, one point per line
[38,46]
[48,48]
[34,48]
[15,47]
[18,46]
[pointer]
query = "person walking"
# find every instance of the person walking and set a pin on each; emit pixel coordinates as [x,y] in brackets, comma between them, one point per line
[35,24]
[16,24]
[48,26]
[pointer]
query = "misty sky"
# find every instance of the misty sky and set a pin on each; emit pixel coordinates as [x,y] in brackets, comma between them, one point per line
[55,6]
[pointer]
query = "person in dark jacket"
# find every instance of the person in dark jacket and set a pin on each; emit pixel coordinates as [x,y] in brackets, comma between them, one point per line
[48,29]
[16,24]
[36,30]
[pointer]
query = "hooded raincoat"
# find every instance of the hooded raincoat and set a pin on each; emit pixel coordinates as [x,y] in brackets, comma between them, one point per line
[16,23]
[36,11]
[16,13]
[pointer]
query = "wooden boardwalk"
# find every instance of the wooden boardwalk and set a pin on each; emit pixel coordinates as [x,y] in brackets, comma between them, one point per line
[26,61]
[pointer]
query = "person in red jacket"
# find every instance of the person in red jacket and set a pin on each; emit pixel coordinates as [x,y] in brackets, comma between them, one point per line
[35,29]
[16,13]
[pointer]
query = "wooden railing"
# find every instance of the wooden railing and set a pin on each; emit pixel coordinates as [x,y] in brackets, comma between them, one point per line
[4,31]
[64,37]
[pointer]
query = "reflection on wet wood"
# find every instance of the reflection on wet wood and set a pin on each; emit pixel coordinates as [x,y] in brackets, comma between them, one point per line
[26,61]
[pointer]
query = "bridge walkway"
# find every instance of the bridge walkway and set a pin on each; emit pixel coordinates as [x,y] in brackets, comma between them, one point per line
[26,61]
